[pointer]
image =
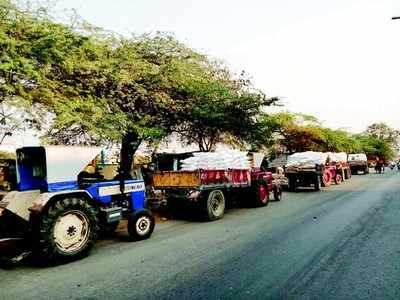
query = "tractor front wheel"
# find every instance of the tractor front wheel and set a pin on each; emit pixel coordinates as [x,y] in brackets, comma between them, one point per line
[67,231]
[338,179]
[141,225]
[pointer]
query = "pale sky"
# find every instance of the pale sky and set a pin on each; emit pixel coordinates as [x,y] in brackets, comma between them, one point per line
[336,59]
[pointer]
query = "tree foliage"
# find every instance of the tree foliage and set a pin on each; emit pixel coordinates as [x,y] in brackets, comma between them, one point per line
[102,87]
[297,133]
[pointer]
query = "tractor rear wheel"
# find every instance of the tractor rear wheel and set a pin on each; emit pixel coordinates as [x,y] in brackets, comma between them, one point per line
[326,179]
[141,225]
[261,196]
[67,231]
[214,205]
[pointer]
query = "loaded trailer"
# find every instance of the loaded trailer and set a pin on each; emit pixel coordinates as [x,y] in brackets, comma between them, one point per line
[358,163]
[58,210]
[315,176]
[207,191]
[316,169]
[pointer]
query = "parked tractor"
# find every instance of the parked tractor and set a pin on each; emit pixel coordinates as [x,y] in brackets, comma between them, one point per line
[58,210]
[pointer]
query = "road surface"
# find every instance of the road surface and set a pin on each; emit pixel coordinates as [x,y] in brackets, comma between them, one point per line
[341,243]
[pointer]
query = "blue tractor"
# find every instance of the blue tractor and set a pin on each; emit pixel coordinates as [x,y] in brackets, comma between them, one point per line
[58,210]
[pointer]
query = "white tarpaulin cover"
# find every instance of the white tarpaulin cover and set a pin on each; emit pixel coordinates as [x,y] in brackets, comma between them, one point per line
[338,157]
[306,159]
[357,157]
[64,163]
[228,159]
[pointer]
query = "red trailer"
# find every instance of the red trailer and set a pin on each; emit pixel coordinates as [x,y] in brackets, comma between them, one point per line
[208,190]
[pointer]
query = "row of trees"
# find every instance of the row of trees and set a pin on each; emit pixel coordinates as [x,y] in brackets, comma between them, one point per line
[83,85]
[297,132]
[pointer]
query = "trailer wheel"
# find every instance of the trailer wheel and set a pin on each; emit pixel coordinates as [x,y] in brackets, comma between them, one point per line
[67,231]
[278,193]
[214,205]
[261,195]
[140,225]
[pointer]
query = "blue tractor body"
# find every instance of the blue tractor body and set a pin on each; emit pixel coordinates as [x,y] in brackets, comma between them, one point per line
[54,188]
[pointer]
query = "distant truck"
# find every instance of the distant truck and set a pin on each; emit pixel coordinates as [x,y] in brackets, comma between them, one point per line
[208,190]
[358,163]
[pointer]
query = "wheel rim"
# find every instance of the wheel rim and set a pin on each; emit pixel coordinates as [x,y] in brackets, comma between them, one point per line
[71,231]
[217,204]
[143,225]
[262,193]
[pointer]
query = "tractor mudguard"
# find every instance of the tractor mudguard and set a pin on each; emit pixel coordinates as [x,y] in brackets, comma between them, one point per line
[44,199]
[23,203]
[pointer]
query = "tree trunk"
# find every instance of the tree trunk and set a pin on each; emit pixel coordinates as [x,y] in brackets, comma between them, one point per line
[130,143]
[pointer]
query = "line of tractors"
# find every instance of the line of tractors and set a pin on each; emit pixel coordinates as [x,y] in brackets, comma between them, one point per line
[63,202]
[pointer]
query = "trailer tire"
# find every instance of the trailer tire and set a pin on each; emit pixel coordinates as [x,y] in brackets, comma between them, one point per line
[214,205]
[66,231]
[141,225]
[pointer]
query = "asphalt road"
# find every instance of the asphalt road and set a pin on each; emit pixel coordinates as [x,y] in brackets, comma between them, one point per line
[340,243]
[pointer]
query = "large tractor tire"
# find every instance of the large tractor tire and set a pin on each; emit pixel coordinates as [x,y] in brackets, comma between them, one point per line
[261,195]
[66,231]
[326,179]
[214,205]
[141,225]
